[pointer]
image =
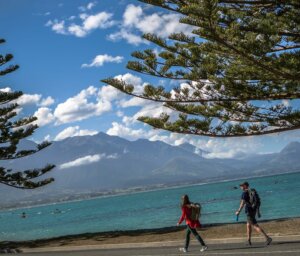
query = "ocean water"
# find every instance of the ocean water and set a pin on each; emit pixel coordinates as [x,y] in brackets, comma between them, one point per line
[153,209]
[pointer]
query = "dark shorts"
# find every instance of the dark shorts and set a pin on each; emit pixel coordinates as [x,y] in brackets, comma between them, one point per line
[251,219]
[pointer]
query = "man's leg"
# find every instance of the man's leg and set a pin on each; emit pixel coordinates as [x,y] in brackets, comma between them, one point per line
[260,230]
[249,231]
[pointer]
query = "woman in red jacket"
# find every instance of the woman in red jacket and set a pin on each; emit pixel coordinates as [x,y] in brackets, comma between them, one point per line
[191,224]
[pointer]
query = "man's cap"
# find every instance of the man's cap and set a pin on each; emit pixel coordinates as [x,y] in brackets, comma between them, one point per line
[245,183]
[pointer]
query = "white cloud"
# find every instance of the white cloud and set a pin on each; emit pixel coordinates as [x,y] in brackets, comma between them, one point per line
[44,116]
[216,147]
[30,99]
[47,101]
[136,22]
[27,99]
[231,147]
[132,15]
[57,26]
[128,36]
[112,156]
[128,120]
[86,160]
[108,94]
[120,113]
[73,131]
[101,20]
[118,129]
[81,106]
[47,137]
[88,103]
[77,30]
[89,6]
[99,60]
[6,89]
[131,79]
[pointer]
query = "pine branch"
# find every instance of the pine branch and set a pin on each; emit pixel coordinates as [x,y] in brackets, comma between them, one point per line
[12,130]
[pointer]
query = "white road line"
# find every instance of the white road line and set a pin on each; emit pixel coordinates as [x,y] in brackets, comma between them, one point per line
[229,253]
[254,253]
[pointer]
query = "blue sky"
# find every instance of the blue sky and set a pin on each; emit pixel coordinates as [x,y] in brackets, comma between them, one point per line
[65,48]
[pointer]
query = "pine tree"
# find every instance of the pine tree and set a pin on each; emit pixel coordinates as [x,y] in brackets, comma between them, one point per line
[240,66]
[12,131]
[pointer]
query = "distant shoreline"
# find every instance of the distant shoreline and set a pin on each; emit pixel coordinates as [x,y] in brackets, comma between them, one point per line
[283,226]
[137,190]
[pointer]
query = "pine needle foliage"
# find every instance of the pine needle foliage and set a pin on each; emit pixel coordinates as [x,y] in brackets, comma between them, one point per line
[12,130]
[239,68]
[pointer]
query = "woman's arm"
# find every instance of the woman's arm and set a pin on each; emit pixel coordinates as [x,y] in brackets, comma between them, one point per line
[183,216]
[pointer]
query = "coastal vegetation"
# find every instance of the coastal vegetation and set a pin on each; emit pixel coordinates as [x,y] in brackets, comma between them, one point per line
[234,72]
[12,131]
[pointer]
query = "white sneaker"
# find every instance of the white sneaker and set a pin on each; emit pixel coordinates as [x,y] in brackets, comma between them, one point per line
[204,248]
[183,250]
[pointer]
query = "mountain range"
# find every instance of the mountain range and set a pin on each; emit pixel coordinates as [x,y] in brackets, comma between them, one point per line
[99,164]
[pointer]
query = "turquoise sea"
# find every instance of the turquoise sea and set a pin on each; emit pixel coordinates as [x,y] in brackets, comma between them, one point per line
[152,209]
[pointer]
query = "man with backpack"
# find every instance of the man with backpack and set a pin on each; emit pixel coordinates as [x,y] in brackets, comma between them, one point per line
[250,199]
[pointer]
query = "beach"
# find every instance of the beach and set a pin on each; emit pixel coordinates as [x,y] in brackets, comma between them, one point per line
[279,227]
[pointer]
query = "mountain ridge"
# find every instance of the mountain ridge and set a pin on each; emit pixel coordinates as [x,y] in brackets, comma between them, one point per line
[123,164]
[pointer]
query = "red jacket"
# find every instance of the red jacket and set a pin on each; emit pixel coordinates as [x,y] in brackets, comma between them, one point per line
[186,213]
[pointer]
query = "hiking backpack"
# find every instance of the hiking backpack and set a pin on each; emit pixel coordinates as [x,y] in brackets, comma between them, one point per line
[195,211]
[254,199]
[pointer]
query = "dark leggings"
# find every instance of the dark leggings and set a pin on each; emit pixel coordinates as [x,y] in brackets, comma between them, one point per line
[190,230]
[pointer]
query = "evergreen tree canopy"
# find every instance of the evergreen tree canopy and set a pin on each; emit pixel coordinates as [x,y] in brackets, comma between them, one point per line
[12,130]
[239,68]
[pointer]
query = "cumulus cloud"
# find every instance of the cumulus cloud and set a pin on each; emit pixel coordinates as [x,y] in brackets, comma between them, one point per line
[127,36]
[88,23]
[89,6]
[79,107]
[99,60]
[73,131]
[27,99]
[214,147]
[231,148]
[57,26]
[131,79]
[86,160]
[88,103]
[47,102]
[6,89]
[44,116]
[136,22]
[124,131]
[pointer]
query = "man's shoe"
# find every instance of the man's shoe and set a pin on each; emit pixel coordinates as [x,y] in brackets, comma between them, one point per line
[268,241]
[204,248]
[248,243]
[183,250]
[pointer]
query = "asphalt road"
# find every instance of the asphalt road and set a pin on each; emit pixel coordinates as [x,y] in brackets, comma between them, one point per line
[277,248]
